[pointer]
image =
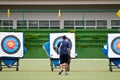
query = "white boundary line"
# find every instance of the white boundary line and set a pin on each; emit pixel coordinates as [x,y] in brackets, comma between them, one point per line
[72,59]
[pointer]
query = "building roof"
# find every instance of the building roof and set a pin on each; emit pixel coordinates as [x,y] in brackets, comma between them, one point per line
[58,2]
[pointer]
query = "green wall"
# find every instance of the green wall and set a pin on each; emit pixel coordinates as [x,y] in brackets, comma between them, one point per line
[88,41]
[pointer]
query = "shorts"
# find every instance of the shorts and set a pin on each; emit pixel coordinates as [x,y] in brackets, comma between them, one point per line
[64,58]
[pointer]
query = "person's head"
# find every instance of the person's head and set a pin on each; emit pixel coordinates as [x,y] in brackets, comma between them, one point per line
[64,37]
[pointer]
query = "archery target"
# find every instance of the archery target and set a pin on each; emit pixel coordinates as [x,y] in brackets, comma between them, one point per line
[55,38]
[114,45]
[11,44]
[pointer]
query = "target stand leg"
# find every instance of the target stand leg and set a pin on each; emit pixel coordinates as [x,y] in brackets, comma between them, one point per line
[110,65]
[0,64]
[17,68]
[51,65]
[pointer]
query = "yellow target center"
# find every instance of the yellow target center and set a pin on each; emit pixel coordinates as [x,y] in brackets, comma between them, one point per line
[10,44]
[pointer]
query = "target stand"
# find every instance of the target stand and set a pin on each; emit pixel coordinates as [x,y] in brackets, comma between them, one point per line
[112,63]
[54,62]
[112,51]
[55,39]
[11,49]
[11,63]
[50,48]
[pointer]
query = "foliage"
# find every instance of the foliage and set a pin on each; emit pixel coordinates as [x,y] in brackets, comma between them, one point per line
[72,31]
[30,37]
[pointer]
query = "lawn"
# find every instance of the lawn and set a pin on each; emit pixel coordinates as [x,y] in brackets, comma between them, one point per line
[80,69]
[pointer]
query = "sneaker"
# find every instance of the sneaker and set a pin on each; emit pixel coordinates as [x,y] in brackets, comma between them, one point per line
[66,73]
[60,72]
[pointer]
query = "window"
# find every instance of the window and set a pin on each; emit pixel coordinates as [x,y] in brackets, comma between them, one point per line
[0,22]
[44,23]
[79,23]
[69,23]
[32,23]
[90,23]
[22,23]
[101,23]
[7,23]
[54,23]
[115,22]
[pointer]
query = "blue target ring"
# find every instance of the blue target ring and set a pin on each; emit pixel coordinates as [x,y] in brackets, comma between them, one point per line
[115,45]
[59,39]
[10,44]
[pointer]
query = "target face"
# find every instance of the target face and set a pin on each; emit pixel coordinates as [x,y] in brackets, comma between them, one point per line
[55,38]
[114,45]
[10,44]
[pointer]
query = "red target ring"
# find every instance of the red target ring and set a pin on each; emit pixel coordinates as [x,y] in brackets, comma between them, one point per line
[10,44]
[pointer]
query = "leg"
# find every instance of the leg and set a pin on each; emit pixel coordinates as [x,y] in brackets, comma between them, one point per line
[61,64]
[67,63]
[61,69]
[66,67]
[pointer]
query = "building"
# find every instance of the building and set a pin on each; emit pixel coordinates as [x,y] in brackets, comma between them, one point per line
[74,14]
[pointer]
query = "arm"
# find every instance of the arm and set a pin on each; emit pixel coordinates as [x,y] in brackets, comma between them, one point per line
[57,50]
[69,48]
[69,51]
[58,46]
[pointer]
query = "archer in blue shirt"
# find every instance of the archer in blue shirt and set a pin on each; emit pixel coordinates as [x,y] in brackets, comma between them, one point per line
[65,48]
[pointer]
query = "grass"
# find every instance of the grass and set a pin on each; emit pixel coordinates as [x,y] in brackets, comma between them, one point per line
[81,69]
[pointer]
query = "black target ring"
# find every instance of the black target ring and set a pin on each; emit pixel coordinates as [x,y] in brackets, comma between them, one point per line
[10,44]
[115,45]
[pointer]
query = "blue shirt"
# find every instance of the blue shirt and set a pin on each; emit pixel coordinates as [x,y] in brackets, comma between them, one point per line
[63,45]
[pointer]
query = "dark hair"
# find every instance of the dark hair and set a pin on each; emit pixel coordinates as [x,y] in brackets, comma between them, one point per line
[64,37]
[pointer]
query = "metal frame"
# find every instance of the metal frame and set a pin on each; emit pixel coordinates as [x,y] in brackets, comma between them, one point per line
[52,66]
[2,64]
[112,66]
